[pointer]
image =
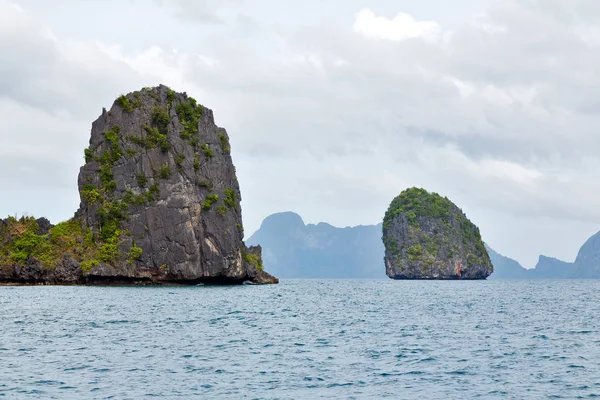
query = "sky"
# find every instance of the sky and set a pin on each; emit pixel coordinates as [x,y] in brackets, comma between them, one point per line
[333,107]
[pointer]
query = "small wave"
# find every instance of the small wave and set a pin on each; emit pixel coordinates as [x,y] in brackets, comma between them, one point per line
[47,382]
[543,337]
[122,321]
[310,379]
[459,372]
[333,385]
[76,368]
[34,391]
[388,374]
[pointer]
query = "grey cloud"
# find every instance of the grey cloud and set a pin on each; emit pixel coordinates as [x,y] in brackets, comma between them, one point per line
[391,90]
[27,172]
[36,71]
[204,11]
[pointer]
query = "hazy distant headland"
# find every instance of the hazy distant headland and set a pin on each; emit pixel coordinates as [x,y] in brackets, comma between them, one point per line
[586,265]
[292,249]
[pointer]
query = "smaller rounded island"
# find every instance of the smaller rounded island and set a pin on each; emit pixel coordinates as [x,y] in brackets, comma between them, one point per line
[426,236]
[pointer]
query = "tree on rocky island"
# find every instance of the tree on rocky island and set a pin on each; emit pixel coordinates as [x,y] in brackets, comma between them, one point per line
[426,236]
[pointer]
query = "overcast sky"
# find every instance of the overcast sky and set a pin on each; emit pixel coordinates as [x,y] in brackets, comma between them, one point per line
[333,107]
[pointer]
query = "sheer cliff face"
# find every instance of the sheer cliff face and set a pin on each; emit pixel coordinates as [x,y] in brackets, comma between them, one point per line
[428,237]
[160,195]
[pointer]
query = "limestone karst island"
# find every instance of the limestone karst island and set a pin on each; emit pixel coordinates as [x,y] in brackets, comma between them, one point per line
[426,236]
[160,204]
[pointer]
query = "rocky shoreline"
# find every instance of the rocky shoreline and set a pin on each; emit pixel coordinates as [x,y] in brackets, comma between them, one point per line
[160,204]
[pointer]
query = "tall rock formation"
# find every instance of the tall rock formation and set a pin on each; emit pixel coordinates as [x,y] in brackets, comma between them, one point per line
[160,201]
[426,236]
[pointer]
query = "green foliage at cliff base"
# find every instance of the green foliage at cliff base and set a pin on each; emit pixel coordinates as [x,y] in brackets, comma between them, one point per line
[19,241]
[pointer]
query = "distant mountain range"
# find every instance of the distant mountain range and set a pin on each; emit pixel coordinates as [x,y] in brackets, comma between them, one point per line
[546,268]
[586,265]
[292,249]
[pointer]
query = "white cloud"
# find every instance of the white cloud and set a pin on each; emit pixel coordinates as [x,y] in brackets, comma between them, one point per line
[402,27]
[203,11]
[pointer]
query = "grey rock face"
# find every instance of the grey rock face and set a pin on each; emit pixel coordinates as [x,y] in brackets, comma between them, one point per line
[43,226]
[67,272]
[428,237]
[160,170]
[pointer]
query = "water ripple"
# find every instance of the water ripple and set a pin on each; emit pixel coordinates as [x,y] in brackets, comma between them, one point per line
[304,339]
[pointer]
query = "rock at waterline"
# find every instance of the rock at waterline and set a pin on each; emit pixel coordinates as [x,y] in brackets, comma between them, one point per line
[426,236]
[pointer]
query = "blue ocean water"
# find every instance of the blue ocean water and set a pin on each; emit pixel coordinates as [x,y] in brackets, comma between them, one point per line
[303,339]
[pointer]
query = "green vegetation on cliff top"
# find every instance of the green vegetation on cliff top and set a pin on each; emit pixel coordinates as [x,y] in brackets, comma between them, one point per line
[252,259]
[415,202]
[189,113]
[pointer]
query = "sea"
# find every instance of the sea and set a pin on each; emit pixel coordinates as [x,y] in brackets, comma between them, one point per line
[304,339]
